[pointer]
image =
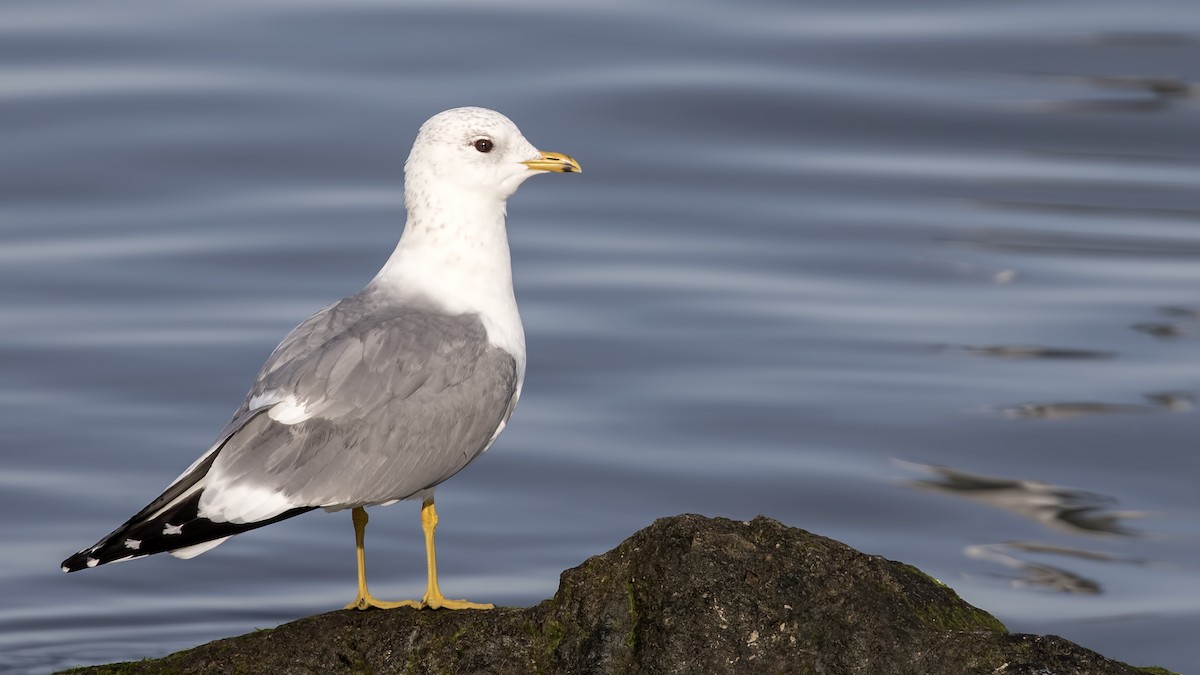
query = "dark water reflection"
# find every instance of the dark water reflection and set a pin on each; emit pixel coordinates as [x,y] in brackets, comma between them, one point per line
[1034,575]
[1075,511]
[1030,352]
[1173,401]
[733,311]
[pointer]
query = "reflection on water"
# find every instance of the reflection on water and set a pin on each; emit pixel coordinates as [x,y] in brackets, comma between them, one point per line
[1070,552]
[1034,575]
[1123,94]
[1067,410]
[1029,352]
[1180,312]
[1159,329]
[1067,509]
[1038,575]
[1064,509]
[1173,401]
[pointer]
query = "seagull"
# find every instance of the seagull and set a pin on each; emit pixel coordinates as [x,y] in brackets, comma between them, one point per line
[383,395]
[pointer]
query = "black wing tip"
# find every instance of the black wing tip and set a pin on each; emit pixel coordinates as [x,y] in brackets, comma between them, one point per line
[96,556]
[79,561]
[130,542]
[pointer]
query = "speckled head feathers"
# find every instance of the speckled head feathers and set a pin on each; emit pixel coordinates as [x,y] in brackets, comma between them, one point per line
[475,149]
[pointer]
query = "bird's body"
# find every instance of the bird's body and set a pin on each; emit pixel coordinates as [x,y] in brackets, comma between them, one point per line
[385,394]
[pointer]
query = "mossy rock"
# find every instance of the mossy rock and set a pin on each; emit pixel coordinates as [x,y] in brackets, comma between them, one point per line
[686,595]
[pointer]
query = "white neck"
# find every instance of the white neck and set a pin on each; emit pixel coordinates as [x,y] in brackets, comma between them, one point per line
[454,251]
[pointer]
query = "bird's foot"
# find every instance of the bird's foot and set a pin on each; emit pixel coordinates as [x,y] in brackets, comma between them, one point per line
[368,601]
[439,602]
[429,602]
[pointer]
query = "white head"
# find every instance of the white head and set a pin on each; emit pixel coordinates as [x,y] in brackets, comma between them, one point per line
[476,150]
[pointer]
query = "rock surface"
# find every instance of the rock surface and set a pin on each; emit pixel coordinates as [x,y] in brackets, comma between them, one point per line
[686,595]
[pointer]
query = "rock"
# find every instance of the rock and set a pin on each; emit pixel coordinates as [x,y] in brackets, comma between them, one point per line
[686,595]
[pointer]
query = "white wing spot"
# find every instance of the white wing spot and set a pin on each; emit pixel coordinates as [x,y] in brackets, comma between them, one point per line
[289,411]
[92,562]
[134,544]
[173,529]
[64,568]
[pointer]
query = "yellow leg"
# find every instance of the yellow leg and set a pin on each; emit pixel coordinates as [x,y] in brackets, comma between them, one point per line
[433,595]
[365,600]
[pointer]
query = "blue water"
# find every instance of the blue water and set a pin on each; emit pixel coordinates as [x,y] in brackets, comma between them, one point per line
[899,274]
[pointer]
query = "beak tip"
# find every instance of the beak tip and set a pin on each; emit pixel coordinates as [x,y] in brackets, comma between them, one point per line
[554,162]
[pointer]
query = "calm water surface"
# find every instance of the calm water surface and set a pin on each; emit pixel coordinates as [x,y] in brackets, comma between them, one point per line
[923,279]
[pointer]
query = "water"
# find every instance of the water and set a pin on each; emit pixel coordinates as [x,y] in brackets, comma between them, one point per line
[900,276]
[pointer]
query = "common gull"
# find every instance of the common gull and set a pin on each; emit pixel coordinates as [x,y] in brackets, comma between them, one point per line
[383,395]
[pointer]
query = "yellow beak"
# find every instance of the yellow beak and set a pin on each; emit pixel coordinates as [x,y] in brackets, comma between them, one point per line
[554,161]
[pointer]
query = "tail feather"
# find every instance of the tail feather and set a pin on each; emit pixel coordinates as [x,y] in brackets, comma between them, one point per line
[180,526]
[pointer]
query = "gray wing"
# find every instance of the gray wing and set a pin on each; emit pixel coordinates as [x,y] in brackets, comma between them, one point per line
[368,402]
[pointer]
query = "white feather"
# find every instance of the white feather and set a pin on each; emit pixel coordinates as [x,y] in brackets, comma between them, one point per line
[193,551]
[289,411]
[242,503]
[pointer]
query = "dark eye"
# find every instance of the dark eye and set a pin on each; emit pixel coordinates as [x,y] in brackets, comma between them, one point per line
[484,145]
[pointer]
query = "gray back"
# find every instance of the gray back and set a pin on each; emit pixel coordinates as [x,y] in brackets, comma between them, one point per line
[401,398]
